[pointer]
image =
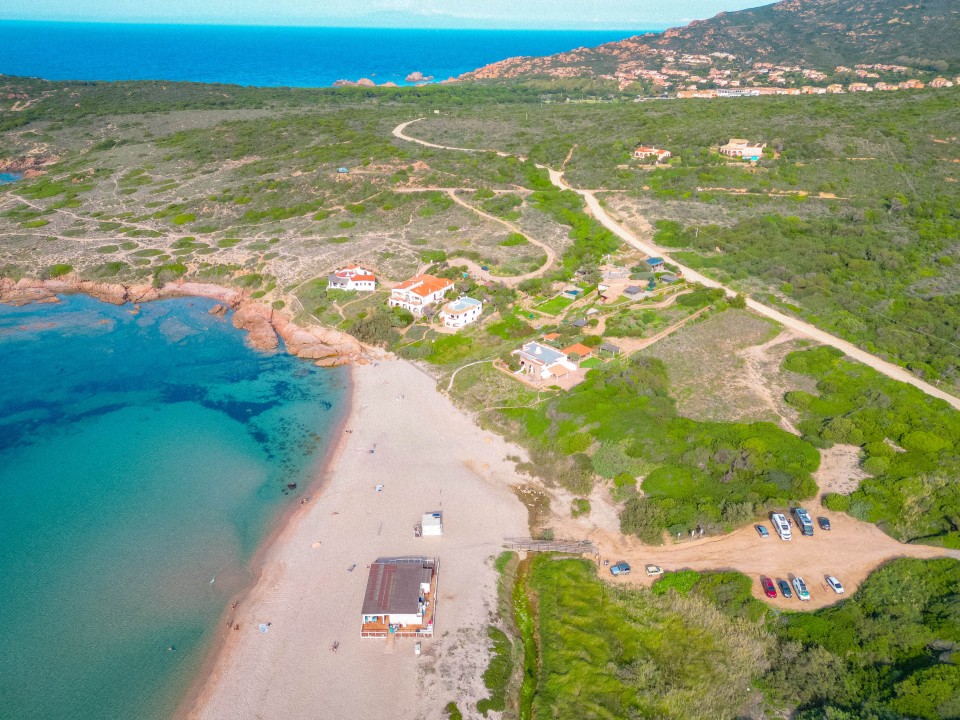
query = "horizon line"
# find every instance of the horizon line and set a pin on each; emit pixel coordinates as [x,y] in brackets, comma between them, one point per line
[244,24]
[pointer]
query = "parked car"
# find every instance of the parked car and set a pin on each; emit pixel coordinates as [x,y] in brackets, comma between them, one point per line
[823,522]
[762,531]
[784,588]
[801,587]
[654,570]
[621,568]
[834,584]
[768,588]
[781,525]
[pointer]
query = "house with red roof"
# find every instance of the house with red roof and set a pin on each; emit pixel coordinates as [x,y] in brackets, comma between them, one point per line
[352,277]
[419,292]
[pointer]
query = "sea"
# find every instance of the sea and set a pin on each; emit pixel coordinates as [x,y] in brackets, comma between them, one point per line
[267,56]
[145,455]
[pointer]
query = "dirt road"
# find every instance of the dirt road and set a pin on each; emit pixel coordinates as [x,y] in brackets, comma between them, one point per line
[556,177]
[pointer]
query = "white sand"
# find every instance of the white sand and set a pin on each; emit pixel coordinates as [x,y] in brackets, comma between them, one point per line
[429,456]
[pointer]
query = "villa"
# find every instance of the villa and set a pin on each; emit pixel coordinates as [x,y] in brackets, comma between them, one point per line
[461,312]
[419,292]
[642,152]
[400,597]
[738,147]
[542,362]
[352,277]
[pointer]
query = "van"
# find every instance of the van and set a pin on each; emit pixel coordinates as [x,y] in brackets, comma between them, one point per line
[781,525]
[804,520]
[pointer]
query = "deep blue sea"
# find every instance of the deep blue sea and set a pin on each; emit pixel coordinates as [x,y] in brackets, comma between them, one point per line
[143,459]
[267,56]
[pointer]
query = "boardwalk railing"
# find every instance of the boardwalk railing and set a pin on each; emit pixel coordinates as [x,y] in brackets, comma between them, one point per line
[574,547]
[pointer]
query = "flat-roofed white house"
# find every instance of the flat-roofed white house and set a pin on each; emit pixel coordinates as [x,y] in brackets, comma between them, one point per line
[352,277]
[543,362]
[738,147]
[419,292]
[460,312]
[400,597]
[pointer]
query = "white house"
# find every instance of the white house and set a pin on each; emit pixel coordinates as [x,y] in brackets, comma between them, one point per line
[737,147]
[352,277]
[418,292]
[460,312]
[543,362]
[399,599]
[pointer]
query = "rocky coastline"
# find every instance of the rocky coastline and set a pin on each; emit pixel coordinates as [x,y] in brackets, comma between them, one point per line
[265,326]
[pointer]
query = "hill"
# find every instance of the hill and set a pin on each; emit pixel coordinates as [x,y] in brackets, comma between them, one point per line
[817,34]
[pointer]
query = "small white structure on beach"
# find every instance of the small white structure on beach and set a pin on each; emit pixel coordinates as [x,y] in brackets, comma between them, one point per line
[432,524]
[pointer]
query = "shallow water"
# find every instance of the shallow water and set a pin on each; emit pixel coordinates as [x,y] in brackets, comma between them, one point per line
[143,458]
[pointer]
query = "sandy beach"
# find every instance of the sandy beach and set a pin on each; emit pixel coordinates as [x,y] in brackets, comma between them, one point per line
[428,455]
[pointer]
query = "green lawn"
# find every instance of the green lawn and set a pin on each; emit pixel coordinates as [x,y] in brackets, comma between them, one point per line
[554,306]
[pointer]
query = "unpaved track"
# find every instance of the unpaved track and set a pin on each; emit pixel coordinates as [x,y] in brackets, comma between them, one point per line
[882,366]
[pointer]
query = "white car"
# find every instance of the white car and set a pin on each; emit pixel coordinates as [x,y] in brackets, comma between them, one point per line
[801,588]
[834,584]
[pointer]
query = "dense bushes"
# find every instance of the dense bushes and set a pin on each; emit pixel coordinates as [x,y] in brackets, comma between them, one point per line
[910,443]
[621,419]
[889,651]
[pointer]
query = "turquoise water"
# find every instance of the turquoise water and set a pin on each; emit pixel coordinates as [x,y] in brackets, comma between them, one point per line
[267,56]
[9,177]
[143,458]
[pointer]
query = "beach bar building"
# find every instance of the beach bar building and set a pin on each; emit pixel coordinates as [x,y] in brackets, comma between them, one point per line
[400,597]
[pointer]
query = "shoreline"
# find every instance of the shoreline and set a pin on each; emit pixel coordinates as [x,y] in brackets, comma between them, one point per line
[265,326]
[311,580]
[225,638]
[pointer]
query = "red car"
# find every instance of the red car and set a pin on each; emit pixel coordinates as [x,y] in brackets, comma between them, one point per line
[768,587]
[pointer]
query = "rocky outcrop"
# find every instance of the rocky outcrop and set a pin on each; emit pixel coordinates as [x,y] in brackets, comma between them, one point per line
[418,77]
[29,167]
[261,334]
[325,346]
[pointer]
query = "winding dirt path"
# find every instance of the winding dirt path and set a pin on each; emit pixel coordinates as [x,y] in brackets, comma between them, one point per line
[645,245]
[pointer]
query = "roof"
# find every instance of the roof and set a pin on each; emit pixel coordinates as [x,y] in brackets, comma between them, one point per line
[609,347]
[393,586]
[546,355]
[424,284]
[633,290]
[558,370]
[654,261]
[578,348]
[461,305]
[579,323]
[551,336]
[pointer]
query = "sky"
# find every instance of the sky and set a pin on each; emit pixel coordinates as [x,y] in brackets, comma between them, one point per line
[547,14]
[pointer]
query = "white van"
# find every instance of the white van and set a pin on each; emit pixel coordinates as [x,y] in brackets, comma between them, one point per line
[781,525]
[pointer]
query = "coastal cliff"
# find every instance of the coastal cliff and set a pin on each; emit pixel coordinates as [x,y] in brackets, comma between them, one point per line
[265,326]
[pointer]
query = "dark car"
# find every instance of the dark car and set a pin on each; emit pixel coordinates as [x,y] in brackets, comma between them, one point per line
[762,531]
[768,589]
[621,568]
[823,522]
[784,588]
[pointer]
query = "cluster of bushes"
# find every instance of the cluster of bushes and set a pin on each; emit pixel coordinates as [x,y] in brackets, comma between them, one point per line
[379,327]
[910,445]
[591,240]
[622,420]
